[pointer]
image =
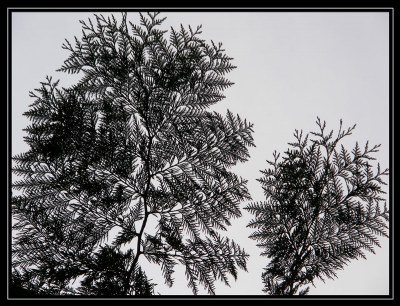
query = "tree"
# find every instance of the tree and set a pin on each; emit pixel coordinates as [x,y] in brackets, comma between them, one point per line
[322,209]
[131,142]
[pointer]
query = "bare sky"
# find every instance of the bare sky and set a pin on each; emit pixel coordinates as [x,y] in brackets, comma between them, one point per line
[292,67]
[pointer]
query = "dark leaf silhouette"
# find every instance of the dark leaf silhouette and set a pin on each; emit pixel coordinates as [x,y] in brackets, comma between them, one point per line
[130,142]
[323,208]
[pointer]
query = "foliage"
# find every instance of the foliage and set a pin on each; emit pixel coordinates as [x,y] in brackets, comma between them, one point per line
[130,142]
[322,209]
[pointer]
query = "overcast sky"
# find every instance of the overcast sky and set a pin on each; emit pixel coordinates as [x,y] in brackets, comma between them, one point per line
[292,67]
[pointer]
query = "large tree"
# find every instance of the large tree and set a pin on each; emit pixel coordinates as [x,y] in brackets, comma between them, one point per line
[130,145]
[323,208]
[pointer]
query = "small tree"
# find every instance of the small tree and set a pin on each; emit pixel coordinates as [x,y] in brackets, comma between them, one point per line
[322,210]
[130,142]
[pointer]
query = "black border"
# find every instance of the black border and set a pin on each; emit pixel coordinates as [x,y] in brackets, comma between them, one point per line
[337,7]
[201,10]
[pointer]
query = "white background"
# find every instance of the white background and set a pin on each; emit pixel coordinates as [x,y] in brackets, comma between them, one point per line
[292,67]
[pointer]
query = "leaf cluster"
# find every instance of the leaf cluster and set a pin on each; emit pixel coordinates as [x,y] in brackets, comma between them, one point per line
[323,208]
[131,141]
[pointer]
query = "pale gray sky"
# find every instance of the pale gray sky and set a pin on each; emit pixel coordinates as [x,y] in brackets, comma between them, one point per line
[292,67]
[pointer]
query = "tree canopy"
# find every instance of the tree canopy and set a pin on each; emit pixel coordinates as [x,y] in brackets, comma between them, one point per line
[133,140]
[323,208]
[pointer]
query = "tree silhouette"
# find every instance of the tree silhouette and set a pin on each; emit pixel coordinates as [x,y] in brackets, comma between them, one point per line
[322,209]
[131,142]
